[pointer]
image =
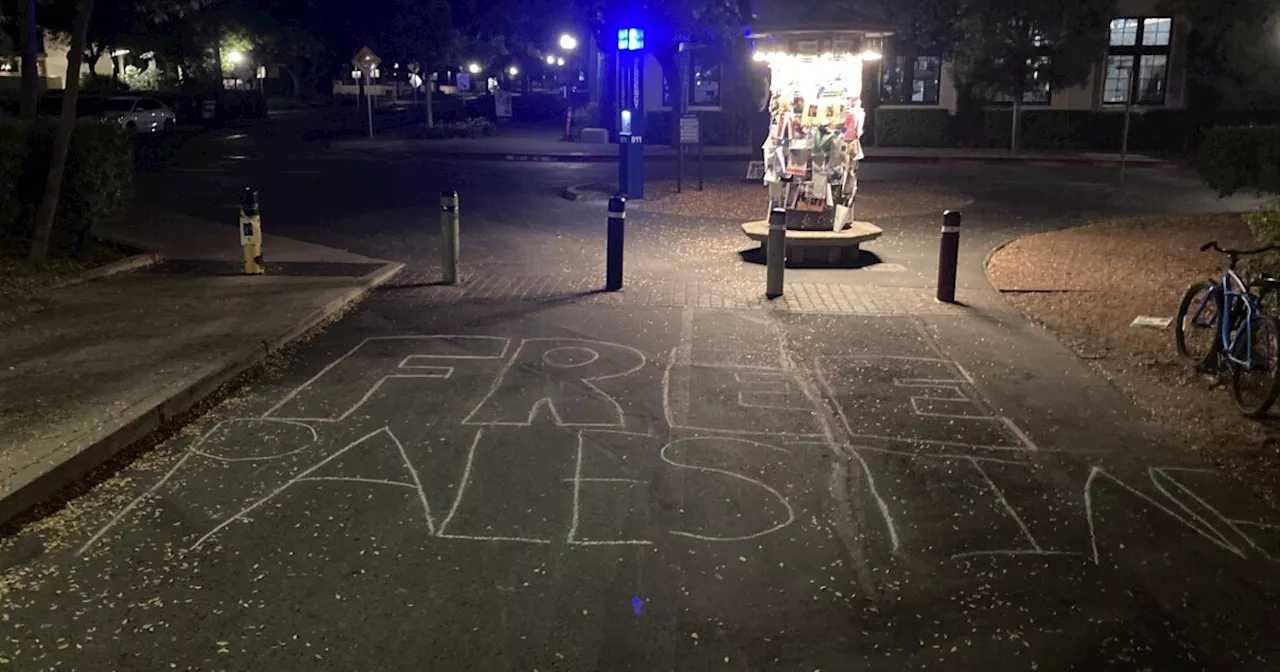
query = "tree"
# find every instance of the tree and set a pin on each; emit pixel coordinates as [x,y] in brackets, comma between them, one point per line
[62,139]
[1233,56]
[29,43]
[1003,48]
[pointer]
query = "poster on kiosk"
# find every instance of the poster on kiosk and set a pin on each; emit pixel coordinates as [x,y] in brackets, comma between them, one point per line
[814,144]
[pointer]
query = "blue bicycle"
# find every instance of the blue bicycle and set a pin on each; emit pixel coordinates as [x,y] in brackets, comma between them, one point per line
[1220,324]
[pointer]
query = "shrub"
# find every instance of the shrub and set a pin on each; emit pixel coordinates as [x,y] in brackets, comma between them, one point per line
[539,106]
[586,117]
[97,184]
[1265,225]
[1232,158]
[896,127]
[474,127]
[106,85]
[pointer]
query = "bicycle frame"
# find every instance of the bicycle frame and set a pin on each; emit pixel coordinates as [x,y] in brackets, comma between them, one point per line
[1227,319]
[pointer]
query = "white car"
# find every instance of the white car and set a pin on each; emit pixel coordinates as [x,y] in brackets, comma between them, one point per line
[139,114]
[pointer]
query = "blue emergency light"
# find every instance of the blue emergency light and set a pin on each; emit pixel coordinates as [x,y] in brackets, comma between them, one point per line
[630,39]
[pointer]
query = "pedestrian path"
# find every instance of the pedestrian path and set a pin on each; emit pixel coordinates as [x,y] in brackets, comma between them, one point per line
[112,360]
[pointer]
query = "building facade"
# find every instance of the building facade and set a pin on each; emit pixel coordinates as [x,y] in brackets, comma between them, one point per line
[1145,63]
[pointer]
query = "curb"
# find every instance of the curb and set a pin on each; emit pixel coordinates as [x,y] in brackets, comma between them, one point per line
[521,157]
[124,265]
[573,192]
[162,410]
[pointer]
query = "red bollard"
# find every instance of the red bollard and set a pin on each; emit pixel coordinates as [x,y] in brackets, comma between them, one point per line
[948,256]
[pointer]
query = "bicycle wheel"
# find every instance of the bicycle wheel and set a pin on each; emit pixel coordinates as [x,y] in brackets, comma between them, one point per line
[1267,291]
[1255,387]
[1196,328]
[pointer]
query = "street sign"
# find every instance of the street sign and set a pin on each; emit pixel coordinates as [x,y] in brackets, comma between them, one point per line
[464,82]
[689,130]
[415,80]
[413,67]
[502,104]
[365,60]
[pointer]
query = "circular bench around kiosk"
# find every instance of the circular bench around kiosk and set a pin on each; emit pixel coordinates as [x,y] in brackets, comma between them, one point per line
[831,245]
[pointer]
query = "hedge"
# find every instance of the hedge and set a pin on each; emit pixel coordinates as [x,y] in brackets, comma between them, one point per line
[1233,158]
[905,127]
[471,128]
[1089,130]
[717,128]
[97,185]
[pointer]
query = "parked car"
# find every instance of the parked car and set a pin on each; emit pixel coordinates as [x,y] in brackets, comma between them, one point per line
[139,113]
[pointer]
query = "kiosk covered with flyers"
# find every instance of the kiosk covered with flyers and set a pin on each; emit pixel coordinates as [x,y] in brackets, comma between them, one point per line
[814,142]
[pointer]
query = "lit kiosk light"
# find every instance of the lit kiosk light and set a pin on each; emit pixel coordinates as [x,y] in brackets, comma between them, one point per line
[813,148]
[631,113]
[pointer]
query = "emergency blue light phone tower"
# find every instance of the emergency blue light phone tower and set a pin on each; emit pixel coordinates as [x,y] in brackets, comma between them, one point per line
[630,82]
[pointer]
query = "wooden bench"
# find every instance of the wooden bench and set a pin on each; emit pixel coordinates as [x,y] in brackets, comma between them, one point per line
[802,245]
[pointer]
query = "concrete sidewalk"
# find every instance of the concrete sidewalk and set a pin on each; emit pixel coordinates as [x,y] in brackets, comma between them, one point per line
[523,146]
[115,359]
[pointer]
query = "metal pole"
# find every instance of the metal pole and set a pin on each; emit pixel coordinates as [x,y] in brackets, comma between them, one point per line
[680,165]
[701,150]
[775,253]
[948,256]
[568,114]
[1128,111]
[368,102]
[431,84]
[613,252]
[449,236]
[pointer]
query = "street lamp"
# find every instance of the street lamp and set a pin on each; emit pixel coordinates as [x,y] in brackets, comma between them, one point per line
[568,42]
[559,61]
[551,60]
[513,71]
[235,57]
[474,68]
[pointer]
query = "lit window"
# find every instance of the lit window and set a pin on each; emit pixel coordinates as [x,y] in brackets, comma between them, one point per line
[703,87]
[1124,32]
[1117,80]
[1155,32]
[911,80]
[1142,43]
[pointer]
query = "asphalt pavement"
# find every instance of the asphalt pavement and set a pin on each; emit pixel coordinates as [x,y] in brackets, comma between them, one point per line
[535,475]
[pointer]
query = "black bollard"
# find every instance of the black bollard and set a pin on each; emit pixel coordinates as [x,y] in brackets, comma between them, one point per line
[948,256]
[775,253]
[613,255]
[449,216]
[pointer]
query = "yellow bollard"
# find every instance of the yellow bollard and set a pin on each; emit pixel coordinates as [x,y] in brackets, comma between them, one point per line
[251,232]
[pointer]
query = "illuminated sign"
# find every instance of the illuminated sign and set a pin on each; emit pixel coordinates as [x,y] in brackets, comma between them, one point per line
[630,39]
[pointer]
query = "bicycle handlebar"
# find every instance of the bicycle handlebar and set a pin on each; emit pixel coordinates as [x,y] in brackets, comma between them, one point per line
[1213,244]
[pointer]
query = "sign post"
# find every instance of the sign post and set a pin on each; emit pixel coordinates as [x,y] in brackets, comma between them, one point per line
[415,80]
[367,63]
[690,134]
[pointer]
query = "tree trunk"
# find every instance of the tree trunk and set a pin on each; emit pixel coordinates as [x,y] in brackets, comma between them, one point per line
[61,139]
[295,80]
[29,41]
[91,58]
[115,68]
[1015,136]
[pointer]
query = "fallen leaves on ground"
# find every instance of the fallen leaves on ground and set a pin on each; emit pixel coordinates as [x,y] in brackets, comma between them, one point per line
[24,289]
[1087,284]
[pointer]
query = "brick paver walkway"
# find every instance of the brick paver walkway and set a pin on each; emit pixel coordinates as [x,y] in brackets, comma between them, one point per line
[800,297]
